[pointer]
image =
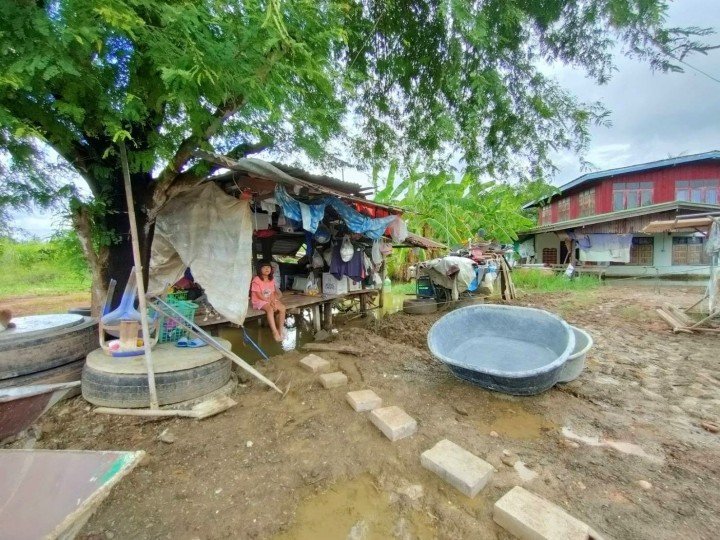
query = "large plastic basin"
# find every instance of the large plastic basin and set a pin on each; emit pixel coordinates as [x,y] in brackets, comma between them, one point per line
[576,361]
[515,350]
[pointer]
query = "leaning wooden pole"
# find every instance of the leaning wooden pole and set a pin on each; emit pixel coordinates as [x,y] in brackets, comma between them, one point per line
[139,275]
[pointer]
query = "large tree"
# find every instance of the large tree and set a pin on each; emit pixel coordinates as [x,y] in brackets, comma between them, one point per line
[422,79]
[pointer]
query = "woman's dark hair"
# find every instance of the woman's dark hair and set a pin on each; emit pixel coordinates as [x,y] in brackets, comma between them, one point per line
[260,266]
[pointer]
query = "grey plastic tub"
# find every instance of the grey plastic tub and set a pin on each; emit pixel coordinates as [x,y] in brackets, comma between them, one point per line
[576,361]
[515,350]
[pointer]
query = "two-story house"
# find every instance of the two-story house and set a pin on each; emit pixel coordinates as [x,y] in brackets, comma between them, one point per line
[600,216]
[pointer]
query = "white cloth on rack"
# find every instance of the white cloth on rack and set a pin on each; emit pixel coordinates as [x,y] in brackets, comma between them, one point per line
[607,248]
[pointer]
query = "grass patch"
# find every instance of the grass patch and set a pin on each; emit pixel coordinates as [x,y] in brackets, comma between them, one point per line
[36,268]
[404,288]
[534,280]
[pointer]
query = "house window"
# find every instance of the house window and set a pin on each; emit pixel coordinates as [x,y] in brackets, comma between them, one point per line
[641,251]
[549,256]
[564,209]
[689,251]
[545,215]
[628,195]
[587,203]
[699,191]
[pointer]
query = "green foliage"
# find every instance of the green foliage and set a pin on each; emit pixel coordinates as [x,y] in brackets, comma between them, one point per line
[453,210]
[534,280]
[416,80]
[35,267]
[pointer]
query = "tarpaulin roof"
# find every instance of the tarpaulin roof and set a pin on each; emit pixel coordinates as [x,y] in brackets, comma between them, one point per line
[314,183]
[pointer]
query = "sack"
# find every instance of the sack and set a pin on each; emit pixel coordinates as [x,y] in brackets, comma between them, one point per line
[317,260]
[375,254]
[347,250]
[386,248]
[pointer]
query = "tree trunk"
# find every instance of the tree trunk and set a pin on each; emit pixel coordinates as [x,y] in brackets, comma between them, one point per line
[115,261]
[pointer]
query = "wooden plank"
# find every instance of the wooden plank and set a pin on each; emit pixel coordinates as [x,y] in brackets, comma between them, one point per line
[675,325]
[331,347]
[678,314]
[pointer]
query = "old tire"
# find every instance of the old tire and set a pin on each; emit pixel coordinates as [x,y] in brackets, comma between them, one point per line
[131,390]
[41,350]
[420,306]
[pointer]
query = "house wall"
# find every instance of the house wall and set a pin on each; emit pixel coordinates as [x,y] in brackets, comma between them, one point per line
[662,259]
[663,186]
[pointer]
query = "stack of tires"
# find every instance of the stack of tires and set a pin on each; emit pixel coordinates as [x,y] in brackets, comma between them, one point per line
[46,349]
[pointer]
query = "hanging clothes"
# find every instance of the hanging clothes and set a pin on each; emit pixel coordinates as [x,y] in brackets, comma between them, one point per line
[310,215]
[354,268]
[607,248]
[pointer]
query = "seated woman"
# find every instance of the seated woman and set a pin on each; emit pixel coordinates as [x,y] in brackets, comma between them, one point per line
[266,296]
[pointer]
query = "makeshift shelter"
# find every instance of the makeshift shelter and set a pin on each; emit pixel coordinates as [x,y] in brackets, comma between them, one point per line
[260,210]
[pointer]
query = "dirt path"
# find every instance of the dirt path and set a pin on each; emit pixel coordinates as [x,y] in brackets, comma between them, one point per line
[308,466]
[33,305]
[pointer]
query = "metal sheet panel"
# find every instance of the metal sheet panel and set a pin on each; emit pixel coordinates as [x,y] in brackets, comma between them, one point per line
[48,493]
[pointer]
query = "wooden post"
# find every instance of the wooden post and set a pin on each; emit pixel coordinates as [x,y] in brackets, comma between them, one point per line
[139,274]
[317,325]
[363,304]
[328,315]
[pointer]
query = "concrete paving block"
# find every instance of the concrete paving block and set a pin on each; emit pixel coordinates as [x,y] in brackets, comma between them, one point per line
[530,517]
[333,380]
[363,400]
[312,362]
[463,470]
[393,422]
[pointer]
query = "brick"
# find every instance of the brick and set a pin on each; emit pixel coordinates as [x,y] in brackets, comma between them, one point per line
[333,380]
[464,471]
[393,422]
[363,400]
[530,517]
[314,363]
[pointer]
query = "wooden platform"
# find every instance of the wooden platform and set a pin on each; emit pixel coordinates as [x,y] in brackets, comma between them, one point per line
[293,302]
[166,357]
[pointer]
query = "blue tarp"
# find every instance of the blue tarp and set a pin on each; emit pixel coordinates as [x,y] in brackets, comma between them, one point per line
[310,215]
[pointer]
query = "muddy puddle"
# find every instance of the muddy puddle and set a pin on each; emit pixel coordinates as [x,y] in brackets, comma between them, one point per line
[300,332]
[356,509]
[510,419]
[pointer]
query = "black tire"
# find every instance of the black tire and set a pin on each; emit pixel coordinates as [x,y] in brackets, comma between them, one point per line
[66,373]
[131,390]
[84,311]
[43,351]
[420,306]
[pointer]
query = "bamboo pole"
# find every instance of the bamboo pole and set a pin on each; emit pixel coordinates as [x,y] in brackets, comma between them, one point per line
[139,275]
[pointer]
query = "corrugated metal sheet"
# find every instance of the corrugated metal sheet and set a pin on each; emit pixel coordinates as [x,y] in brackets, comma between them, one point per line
[604,220]
[422,242]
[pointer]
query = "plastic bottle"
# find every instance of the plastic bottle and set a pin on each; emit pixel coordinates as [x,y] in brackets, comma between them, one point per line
[387,285]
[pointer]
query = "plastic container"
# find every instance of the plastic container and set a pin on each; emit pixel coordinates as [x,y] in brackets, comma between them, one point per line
[510,349]
[387,285]
[576,361]
[170,330]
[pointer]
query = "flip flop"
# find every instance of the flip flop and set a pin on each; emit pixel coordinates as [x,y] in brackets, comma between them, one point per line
[195,343]
[182,342]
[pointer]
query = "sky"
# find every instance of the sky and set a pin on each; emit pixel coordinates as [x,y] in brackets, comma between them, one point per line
[654,115]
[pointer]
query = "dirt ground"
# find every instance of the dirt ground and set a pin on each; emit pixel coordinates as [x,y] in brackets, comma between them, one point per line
[33,304]
[308,466]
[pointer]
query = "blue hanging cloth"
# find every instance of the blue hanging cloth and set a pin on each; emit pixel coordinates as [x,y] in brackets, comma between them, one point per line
[310,215]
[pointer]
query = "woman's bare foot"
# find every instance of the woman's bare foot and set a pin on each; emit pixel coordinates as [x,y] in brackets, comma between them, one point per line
[277,336]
